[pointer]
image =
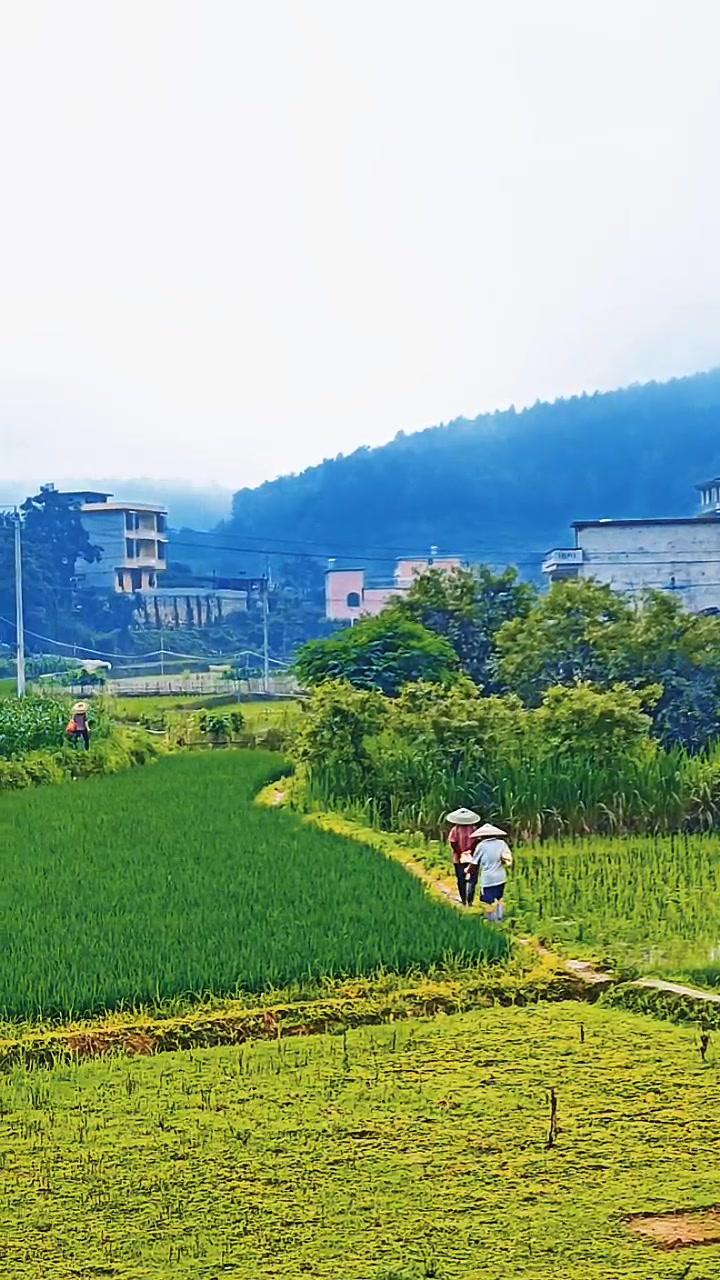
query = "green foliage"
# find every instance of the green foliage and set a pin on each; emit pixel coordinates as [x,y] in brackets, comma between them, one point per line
[171,880]
[598,725]
[123,750]
[468,607]
[572,633]
[583,761]
[582,631]
[382,653]
[221,726]
[29,723]
[76,675]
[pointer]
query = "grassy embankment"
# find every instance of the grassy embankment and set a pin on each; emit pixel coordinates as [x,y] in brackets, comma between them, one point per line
[171,880]
[394,1153]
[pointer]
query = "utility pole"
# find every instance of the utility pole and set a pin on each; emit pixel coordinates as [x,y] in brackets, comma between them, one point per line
[162,654]
[266,636]
[19,620]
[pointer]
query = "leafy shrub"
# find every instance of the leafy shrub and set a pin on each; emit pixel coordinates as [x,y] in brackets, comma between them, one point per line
[123,750]
[221,726]
[13,775]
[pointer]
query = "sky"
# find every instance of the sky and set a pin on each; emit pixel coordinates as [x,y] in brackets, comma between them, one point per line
[238,237]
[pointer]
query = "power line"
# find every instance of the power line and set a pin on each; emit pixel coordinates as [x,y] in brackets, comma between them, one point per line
[309,555]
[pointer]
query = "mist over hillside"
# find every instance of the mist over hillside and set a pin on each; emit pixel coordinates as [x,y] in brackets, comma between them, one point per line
[201,507]
[503,487]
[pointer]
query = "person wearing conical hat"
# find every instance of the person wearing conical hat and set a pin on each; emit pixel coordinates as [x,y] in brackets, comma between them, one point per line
[492,857]
[78,729]
[460,839]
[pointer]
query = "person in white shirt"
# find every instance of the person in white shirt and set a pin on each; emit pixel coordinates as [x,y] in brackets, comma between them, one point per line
[492,857]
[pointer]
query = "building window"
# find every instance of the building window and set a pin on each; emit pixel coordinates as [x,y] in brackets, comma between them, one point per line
[353,600]
[130,548]
[161,524]
[151,580]
[161,551]
[120,579]
[136,579]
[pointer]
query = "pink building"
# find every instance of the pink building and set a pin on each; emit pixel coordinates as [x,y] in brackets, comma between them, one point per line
[348,596]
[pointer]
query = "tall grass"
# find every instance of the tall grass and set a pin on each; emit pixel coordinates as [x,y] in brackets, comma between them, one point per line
[658,792]
[171,880]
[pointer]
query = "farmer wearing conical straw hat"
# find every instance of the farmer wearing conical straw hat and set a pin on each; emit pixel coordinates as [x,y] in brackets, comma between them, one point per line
[78,729]
[492,857]
[460,839]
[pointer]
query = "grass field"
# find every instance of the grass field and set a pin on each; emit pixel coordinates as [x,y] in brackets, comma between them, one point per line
[260,714]
[7,687]
[395,1153]
[170,880]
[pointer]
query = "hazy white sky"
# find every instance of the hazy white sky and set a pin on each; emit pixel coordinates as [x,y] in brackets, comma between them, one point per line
[238,236]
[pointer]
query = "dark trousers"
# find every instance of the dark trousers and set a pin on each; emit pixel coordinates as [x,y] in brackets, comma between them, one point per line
[467,878]
[81,735]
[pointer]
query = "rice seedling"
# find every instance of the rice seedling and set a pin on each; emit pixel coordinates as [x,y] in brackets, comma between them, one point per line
[170,880]
[651,903]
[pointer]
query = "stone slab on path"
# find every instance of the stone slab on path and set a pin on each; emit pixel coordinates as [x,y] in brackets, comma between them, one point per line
[698,994]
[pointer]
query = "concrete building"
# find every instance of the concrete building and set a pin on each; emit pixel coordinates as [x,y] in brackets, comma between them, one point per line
[351,594]
[681,555]
[132,538]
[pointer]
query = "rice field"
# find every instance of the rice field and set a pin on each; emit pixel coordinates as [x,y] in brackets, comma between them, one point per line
[651,904]
[399,1152]
[261,713]
[170,881]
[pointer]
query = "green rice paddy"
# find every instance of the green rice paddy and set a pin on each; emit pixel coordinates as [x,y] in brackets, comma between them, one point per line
[170,881]
[651,904]
[400,1152]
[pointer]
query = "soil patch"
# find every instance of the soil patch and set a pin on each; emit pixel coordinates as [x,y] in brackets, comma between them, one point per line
[679,1229]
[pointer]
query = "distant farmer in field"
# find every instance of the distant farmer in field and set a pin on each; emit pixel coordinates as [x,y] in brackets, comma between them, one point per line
[78,729]
[460,840]
[492,857]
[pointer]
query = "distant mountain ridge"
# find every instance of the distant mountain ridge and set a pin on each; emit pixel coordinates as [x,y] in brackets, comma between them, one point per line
[503,487]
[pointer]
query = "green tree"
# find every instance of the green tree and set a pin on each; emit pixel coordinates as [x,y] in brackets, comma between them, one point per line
[468,607]
[54,541]
[681,652]
[574,632]
[383,653]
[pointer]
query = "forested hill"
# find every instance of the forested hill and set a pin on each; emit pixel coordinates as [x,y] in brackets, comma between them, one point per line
[505,485]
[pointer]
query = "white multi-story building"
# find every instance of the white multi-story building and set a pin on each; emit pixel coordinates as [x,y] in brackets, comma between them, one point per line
[132,539]
[680,556]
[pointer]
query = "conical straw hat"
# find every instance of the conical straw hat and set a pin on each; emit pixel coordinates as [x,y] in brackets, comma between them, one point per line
[463,817]
[489,830]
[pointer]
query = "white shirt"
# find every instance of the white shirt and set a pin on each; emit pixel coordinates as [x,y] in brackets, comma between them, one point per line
[492,856]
